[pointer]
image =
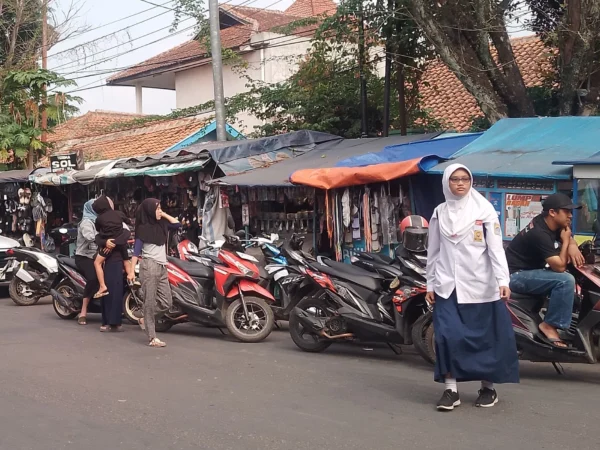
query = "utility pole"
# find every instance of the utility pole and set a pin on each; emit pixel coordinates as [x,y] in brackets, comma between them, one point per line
[44,136]
[217,68]
[401,82]
[361,71]
[388,69]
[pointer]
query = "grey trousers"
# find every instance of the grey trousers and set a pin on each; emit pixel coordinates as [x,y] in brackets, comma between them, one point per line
[156,294]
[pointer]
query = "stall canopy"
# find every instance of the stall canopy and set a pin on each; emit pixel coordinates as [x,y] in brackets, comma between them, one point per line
[326,154]
[593,160]
[442,148]
[14,176]
[526,148]
[394,161]
[230,156]
[45,177]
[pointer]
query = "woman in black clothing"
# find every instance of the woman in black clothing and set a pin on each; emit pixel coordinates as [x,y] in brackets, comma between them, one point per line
[112,303]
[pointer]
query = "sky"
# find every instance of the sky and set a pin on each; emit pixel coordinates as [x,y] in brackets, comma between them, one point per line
[146,34]
[130,40]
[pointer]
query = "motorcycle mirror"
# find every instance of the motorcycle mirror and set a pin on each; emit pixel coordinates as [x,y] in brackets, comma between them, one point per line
[63,230]
[395,283]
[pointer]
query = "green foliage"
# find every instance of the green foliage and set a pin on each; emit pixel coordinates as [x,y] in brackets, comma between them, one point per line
[21,106]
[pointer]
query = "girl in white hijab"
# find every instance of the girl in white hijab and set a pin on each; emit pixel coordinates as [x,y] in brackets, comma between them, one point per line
[467,279]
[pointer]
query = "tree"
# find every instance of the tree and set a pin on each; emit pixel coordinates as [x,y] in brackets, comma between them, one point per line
[21,105]
[324,94]
[471,38]
[573,27]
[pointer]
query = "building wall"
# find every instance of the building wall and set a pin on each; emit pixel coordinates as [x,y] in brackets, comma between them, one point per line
[195,86]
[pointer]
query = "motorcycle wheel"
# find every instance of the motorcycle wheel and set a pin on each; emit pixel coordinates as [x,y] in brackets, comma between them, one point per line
[18,289]
[132,308]
[423,337]
[64,288]
[261,316]
[309,342]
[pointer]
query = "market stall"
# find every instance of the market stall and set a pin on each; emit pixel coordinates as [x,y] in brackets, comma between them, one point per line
[512,164]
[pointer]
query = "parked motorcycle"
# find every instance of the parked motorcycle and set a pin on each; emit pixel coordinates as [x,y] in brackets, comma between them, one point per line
[286,268]
[34,273]
[224,294]
[67,292]
[354,305]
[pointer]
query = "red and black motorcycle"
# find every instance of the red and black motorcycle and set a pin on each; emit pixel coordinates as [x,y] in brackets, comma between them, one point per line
[222,291]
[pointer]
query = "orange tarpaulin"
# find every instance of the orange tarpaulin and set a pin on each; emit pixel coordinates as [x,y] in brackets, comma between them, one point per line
[336,177]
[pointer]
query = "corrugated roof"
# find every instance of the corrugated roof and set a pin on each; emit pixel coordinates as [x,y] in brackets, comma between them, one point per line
[526,148]
[450,102]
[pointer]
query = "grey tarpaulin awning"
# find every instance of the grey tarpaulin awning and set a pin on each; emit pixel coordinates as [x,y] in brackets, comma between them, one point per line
[14,176]
[323,155]
[230,156]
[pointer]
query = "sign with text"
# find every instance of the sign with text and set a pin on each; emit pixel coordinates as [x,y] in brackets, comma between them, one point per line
[62,163]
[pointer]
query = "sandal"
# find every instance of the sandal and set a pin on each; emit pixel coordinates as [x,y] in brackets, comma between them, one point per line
[156,343]
[104,328]
[100,294]
[82,320]
[555,342]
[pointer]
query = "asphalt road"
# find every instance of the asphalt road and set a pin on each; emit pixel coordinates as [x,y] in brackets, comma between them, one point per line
[65,386]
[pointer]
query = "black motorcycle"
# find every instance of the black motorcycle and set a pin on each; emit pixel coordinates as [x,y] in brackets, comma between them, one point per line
[67,293]
[355,304]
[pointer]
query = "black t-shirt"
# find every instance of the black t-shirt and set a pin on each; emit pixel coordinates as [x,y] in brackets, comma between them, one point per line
[532,246]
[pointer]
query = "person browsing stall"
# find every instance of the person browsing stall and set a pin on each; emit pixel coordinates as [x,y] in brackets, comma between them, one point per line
[538,258]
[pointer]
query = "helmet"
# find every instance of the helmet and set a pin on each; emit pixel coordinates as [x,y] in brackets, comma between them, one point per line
[414,231]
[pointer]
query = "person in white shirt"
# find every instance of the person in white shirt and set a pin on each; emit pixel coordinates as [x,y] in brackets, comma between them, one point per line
[467,277]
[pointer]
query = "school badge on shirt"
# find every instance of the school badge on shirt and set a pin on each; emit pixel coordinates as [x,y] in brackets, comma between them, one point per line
[478,233]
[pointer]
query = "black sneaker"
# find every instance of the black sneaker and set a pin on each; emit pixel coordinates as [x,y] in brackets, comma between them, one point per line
[487,398]
[449,400]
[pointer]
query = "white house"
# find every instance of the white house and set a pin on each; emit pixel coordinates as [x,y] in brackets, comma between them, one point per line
[250,32]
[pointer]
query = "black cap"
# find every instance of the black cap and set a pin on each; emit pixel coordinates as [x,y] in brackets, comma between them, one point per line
[558,201]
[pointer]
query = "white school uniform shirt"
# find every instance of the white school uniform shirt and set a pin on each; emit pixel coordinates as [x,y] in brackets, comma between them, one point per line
[476,266]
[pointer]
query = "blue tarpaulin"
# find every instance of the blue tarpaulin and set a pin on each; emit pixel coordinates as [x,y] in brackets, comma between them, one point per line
[442,147]
[526,148]
[593,160]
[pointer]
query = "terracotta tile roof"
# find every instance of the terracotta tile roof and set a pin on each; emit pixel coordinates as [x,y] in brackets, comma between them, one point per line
[148,139]
[311,8]
[232,37]
[90,124]
[449,102]
[256,20]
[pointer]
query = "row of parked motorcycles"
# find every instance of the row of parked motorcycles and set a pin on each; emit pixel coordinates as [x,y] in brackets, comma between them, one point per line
[376,298]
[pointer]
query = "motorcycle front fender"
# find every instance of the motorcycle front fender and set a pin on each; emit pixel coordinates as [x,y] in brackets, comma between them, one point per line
[247,287]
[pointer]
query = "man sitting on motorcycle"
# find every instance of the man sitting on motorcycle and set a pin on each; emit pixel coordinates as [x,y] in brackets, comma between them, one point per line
[537,259]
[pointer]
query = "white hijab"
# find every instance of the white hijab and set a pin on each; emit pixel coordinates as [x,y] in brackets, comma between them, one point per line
[458,215]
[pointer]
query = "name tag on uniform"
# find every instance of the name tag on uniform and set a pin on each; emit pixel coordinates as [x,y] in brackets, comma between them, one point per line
[478,231]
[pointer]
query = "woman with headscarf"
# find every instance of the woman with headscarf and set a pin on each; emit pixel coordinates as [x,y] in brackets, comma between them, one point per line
[109,264]
[467,277]
[151,233]
[84,256]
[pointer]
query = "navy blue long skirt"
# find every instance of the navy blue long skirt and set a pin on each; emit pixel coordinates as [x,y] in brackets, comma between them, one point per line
[474,342]
[112,304]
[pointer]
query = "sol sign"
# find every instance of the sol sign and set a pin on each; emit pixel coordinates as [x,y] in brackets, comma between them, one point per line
[61,163]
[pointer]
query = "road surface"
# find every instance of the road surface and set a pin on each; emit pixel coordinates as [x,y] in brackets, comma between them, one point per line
[66,386]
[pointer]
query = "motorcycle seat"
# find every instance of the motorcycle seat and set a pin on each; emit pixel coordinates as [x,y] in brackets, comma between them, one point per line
[364,278]
[70,262]
[533,303]
[193,269]
[379,257]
